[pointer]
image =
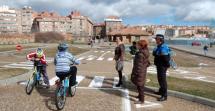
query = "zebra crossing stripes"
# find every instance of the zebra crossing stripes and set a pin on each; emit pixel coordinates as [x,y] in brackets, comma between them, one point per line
[97,82]
[79,79]
[116,80]
[110,59]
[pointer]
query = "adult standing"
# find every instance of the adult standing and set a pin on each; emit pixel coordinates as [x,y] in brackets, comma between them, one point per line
[205,48]
[161,60]
[141,62]
[119,58]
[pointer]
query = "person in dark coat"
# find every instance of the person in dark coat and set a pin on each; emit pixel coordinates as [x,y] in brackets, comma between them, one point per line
[119,58]
[141,62]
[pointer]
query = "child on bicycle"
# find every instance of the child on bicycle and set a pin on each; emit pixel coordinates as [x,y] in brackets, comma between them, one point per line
[39,56]
[63,62]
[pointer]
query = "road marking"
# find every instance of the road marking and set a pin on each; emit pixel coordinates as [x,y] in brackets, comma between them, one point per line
[102,51]
[148,104]
[200,78]
[22,65]
[148,80]
[89,59]
[116,80]
[52,81]
[100,59]
[79,79]
[110,59]
[97,81]
[7,66]
[81,58]
[95,51]
[126,105]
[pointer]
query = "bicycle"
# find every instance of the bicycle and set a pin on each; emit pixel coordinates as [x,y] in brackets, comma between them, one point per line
[62,91]
[35,79]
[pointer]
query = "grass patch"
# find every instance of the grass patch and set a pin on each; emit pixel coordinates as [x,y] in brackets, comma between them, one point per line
[11,72]
[193,87]
[50,52]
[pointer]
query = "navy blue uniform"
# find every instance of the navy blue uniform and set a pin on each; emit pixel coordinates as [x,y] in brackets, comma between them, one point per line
[161,59]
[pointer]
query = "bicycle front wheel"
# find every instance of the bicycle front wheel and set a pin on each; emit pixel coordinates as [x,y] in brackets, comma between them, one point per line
[60,98]
[30,85]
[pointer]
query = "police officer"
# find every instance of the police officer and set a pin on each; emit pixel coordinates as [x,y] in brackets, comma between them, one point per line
[161,55]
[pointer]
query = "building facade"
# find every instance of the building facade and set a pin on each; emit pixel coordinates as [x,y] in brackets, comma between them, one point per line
[80,27]
[15,20]
[99,31]
[112,23]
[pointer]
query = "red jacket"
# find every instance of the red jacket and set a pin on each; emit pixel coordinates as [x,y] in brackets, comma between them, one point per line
[34,55]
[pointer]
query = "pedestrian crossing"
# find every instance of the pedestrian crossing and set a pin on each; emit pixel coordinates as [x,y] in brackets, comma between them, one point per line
[95,82]
[25,65]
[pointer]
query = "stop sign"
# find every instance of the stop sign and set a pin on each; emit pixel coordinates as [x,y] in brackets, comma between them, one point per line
[18,47]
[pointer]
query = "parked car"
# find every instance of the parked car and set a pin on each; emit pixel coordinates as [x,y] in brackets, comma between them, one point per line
[196,43]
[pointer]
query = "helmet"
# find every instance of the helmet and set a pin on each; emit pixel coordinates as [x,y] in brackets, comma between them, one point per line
[39,52]
[62,47]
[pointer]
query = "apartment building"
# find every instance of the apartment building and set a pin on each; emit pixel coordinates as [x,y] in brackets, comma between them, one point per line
[82,26]
[15,20]
[112,23]
[8,20]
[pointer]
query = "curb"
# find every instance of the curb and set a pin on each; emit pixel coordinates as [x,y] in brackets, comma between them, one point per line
[191,52]
[197,99]
[189,97]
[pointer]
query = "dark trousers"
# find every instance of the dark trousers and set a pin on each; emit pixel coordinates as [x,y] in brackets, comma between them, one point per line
[72,72]
[42,69]
[141,93]
[161,76]
[120,77]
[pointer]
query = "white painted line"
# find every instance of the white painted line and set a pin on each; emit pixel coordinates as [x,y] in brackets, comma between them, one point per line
[148,104]
[79,79]
[30,63]
[89,59]
[97,81]
[100,59]
[6,66]
[116,80]
[201,78]
[22,65]
[148,80]
[52,81]
[110,59]
[23,83]
[95,51]
[102,51]
[94,88]
[81,58]
[126,105]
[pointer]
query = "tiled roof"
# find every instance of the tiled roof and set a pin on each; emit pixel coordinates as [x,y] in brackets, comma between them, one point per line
[129,31]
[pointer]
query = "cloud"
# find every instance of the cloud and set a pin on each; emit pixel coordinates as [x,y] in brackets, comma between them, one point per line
[178,10]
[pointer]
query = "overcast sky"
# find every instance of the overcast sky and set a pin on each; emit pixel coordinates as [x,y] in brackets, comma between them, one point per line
[133,12]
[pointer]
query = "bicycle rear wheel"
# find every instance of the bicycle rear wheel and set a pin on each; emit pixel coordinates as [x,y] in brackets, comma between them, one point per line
[60,98]
[30,85]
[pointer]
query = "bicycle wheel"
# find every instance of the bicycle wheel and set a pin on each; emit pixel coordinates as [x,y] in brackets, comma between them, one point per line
[60,98]
[72,91]
[30,85]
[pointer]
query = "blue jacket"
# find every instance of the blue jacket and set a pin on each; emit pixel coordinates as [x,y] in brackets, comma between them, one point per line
[162,55]
[63,60]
